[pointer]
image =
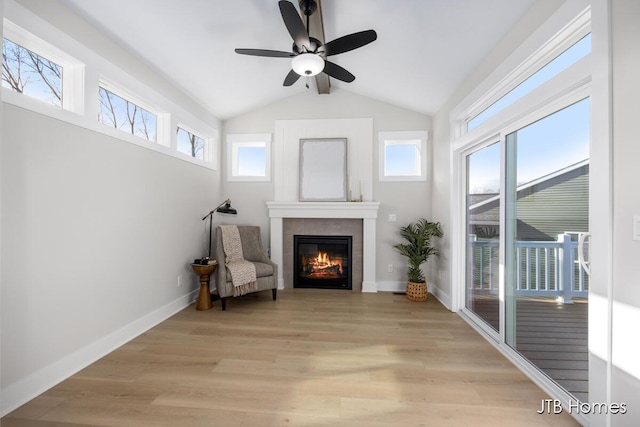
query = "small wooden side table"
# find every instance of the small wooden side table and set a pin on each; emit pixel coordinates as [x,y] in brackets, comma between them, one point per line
[204,271]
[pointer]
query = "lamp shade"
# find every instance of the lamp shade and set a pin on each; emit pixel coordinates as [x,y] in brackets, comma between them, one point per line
[307,64]
[227,209]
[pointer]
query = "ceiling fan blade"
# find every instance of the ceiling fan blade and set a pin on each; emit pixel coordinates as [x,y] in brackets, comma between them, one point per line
[337,72]
[294,24]
[291,78]
[264,52]
[349,42]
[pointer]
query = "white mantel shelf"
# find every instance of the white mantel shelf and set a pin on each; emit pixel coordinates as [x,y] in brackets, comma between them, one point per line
[323,209]
[367,211]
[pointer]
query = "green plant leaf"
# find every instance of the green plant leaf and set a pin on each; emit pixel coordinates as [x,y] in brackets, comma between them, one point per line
[418,246]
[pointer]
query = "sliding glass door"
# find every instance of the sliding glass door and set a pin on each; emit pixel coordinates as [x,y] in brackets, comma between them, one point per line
[525,252]
[547,210]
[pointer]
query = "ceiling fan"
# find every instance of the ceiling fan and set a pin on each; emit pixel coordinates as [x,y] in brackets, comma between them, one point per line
[309,55]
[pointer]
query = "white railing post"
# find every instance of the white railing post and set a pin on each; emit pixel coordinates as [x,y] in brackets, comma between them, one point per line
[566,265]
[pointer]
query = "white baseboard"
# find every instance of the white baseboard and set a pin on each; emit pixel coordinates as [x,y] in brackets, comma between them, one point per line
[20,392]
[392,286]
[444,298]
[370,287]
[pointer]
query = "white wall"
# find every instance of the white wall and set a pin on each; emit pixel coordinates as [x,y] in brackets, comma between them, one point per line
[408,200]
[625,352]
[95,232]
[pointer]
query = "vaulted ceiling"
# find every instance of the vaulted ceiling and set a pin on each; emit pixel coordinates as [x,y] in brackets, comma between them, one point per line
[424,51]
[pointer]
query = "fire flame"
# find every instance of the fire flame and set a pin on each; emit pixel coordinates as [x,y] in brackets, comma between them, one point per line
[323,265]
[323,261]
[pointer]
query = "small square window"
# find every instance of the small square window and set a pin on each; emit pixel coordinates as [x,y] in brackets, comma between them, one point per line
[403,156]
[249,157]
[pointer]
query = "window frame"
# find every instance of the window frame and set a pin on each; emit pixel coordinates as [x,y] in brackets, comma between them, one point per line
[395,138]
[234,141]
[72,96]
[207,143]
[516,70]
[138,102]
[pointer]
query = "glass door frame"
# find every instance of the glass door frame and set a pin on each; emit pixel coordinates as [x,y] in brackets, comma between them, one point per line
[461,228]
[460,152]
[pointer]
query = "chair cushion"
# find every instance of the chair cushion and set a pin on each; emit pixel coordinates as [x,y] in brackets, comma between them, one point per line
[262,270]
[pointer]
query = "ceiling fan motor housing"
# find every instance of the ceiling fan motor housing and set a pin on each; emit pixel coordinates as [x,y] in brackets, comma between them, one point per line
[314,44]
[308,7]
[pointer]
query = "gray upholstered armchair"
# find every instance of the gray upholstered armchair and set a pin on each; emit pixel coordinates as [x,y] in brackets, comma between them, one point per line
[266,270]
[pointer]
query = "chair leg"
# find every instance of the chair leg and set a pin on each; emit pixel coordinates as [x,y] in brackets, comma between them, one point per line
[274,293]
[223,302]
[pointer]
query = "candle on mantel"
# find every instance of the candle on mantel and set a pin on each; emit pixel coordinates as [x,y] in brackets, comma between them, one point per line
[360,190]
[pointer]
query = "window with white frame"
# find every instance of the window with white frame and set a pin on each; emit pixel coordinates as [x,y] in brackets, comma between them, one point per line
[190,143]
[35,68]
[249,157]
[554,67]
[27,72]
[121,113]
[403,156]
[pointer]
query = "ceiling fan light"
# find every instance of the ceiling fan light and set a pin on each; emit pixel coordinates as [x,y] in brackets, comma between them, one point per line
[307,64]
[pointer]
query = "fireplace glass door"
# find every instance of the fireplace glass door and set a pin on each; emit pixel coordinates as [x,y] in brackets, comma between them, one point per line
[322,262]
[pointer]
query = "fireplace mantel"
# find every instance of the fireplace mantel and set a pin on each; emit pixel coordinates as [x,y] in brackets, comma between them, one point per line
[367,211]
[323,209]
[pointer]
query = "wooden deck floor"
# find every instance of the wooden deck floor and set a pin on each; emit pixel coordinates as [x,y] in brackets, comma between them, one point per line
[311,358]
[553,336]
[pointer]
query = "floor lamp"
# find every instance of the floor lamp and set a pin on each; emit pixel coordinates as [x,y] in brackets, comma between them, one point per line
[224,207]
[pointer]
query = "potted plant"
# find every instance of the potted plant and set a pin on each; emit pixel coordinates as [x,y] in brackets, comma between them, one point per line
[418,248]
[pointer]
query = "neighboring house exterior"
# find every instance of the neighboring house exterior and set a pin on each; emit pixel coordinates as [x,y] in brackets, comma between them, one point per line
[548,206]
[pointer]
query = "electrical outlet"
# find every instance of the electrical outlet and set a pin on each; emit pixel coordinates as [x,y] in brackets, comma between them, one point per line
[179,280]
[390,268]
[392,218]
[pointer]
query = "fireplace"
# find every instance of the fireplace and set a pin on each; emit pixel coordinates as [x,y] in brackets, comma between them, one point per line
[322,262]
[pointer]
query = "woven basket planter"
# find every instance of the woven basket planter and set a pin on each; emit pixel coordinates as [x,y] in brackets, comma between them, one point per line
[417,291]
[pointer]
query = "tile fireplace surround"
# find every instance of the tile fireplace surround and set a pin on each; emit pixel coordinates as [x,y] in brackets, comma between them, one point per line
[366,211]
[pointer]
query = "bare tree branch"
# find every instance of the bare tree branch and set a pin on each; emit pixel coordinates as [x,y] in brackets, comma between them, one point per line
[43,67]
[107,103]
[12,66]
[132,111]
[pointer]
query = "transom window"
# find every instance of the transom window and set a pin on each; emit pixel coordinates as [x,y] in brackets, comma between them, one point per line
[191,144]
[26,72]
[560,63]
[403,156]
[125,115]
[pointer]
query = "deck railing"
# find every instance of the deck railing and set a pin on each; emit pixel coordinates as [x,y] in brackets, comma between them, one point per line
[548,269]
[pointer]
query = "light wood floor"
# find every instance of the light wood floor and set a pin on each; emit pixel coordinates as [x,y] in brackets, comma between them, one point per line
[311,358]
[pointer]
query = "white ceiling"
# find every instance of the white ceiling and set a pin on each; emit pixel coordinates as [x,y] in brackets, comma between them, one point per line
[425,48]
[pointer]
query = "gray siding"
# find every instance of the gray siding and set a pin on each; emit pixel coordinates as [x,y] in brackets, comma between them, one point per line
[548,208]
